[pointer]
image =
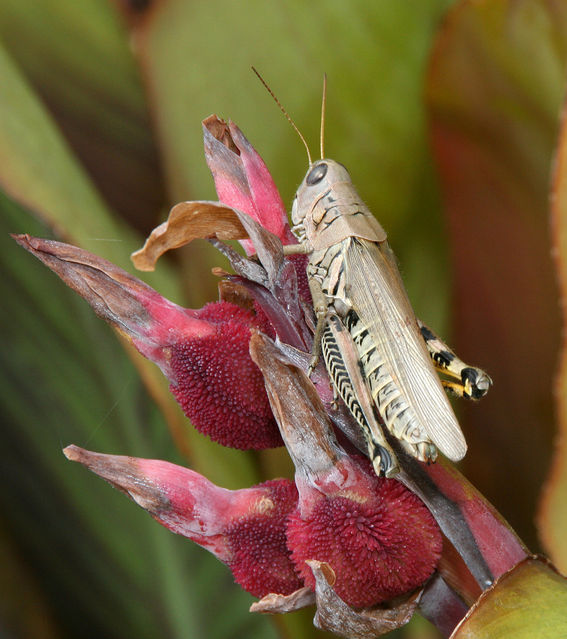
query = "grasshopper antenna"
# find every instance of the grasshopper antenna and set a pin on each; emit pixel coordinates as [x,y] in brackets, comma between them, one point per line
[288,117]
[323,107]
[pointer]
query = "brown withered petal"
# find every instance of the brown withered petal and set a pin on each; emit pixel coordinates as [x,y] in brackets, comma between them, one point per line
[189,221]
[111,291]
[282,367]
[123,474]
[220,131]
[294,397]
[235,293]
[268,246]
[297,359]
[274,603]
[295,403]
[335,615]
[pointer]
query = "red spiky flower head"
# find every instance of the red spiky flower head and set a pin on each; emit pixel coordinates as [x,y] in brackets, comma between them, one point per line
[378,537]
[204,352]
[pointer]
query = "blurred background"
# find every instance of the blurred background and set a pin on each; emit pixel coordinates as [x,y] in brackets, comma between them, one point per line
[447,115]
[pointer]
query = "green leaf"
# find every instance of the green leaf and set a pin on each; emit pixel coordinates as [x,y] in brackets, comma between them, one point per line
[38,170]
[529,601]
[79,61]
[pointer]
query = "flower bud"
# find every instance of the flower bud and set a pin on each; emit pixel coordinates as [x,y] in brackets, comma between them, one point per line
[245,529]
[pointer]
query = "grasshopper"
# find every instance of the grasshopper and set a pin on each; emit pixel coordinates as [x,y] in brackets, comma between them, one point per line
[382,360]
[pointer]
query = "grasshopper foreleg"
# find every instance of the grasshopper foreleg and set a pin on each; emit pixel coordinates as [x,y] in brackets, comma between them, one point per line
[471,382]
[321,308]
[294,249]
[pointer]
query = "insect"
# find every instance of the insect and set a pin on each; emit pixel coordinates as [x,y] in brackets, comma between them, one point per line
[382,360]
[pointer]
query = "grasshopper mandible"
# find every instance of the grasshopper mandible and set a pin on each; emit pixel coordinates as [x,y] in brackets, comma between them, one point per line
[381,358]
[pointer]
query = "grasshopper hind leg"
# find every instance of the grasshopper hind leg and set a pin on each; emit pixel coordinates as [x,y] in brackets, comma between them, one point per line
[381,459]
[335,343]
[342,363]
[465,381]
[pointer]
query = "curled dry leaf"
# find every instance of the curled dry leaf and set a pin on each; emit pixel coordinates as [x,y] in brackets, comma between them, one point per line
[335,615]
[274,603]
[189,221]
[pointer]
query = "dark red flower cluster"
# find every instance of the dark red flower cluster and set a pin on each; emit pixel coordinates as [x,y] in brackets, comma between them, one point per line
[381,541]
[216,383]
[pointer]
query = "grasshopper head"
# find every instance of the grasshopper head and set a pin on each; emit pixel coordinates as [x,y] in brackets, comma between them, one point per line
[321,178]
[327,208]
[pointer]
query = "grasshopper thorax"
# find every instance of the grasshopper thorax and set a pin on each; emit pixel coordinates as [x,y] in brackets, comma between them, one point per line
[327,208]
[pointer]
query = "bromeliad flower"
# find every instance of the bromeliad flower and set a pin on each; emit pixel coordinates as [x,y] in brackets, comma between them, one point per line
[369,551]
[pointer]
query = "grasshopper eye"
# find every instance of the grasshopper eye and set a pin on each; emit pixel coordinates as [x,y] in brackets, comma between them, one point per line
[316,174]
